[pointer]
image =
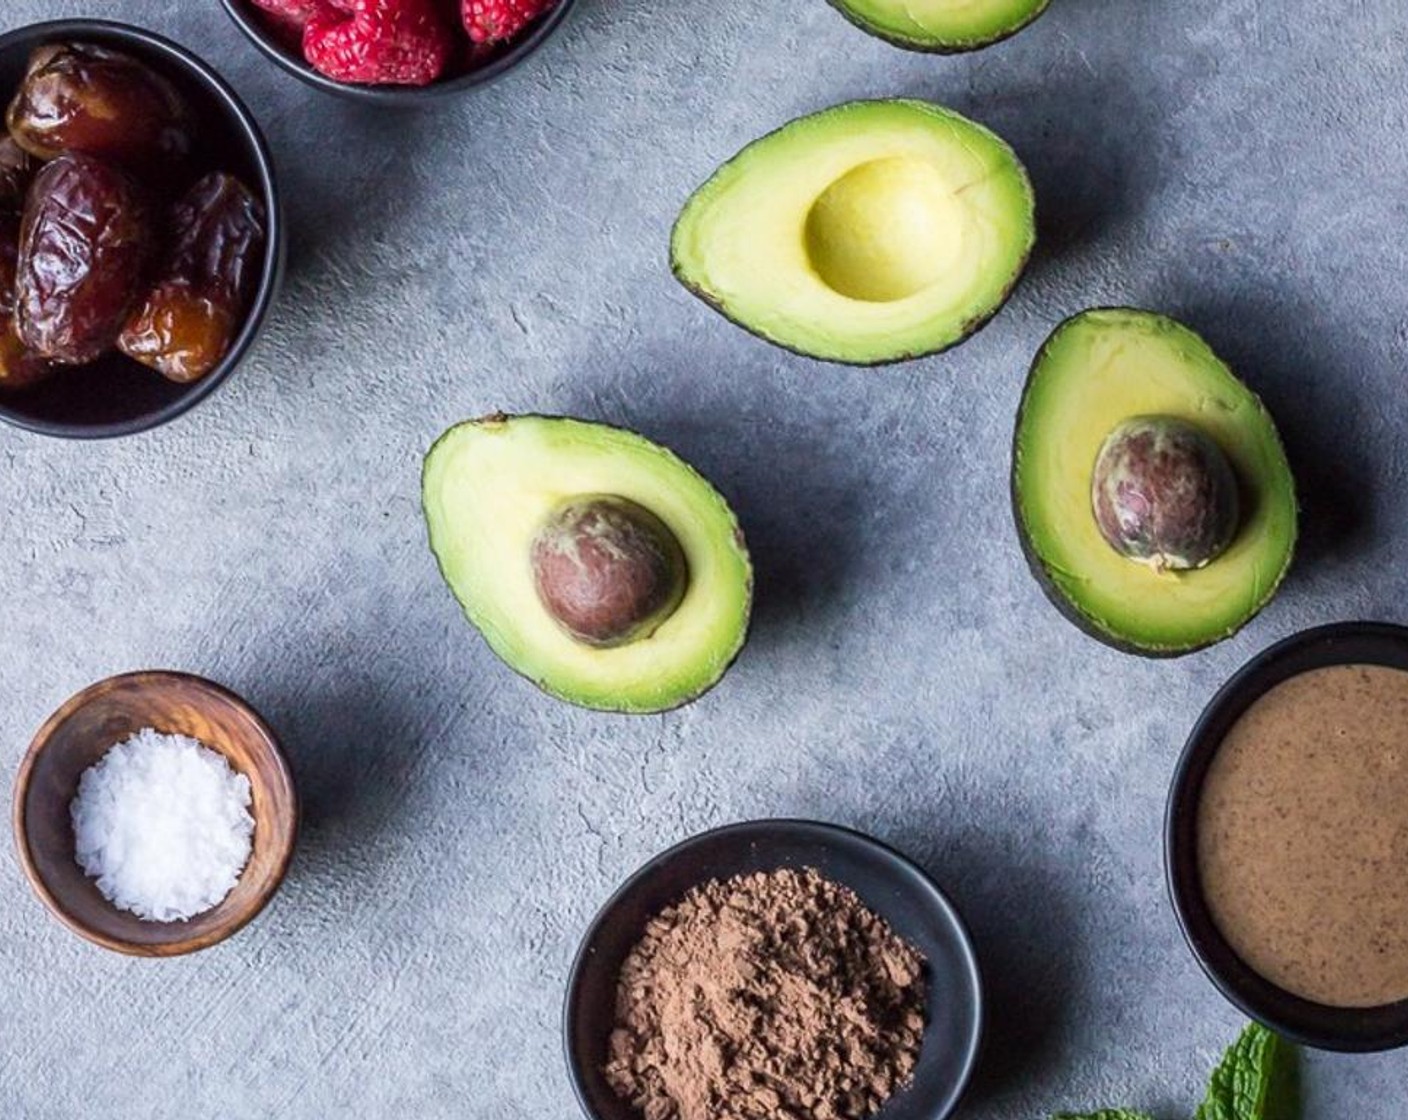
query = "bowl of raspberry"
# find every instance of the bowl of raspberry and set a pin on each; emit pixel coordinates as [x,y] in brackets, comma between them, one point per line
[397,52]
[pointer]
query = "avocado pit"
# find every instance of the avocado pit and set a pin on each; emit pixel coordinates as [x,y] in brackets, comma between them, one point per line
[1164,494]
[608,570]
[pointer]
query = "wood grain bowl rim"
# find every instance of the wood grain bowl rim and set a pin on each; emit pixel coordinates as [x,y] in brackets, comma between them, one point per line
[286,837]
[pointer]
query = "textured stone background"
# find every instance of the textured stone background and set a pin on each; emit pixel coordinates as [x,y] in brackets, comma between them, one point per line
[1235,163]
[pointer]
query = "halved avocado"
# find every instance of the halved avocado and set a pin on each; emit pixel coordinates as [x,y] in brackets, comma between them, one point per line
[1098,371]
[941,26]
[515,501]
[868,233]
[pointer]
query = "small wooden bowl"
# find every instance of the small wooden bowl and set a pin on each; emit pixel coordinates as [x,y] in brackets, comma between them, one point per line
[79,734]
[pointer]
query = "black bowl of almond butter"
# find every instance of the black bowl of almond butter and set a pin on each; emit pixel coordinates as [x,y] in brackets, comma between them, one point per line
[140,237]
[774,970]
[1287,838]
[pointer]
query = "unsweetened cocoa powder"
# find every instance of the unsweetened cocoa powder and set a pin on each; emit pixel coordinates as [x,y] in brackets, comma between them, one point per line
[772,996]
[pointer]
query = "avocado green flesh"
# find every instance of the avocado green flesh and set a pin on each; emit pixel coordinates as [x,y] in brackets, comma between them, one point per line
[942,25]
[1099,369]
[489,485]
[867,233]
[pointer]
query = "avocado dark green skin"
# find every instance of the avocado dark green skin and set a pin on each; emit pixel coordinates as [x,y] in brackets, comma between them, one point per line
[1073,614]
[923,47]
[502,417]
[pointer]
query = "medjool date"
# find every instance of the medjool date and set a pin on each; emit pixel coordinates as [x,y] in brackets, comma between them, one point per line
[84,244]
[76,97]
[186,322]
[20,367]
[9,263]
[178,332]
[17,168]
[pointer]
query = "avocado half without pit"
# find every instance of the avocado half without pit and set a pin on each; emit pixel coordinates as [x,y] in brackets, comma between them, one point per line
[595,563]
[871,232]
[1150,487]
[941,26]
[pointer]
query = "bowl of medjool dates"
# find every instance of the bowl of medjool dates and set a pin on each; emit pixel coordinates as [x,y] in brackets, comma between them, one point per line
[140,235]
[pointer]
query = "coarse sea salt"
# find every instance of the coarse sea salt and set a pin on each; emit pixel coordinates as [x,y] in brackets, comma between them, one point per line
[162,823]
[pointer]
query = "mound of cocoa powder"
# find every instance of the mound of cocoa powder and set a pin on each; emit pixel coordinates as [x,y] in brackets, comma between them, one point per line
[773,996]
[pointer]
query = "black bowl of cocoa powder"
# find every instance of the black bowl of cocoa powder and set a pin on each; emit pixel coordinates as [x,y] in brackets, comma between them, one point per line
[736,950]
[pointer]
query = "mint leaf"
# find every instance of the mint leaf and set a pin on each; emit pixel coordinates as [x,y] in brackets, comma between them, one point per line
[1256,1080]
[1104,1114]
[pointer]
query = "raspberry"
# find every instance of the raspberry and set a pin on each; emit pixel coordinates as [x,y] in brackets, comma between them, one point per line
[292,11]
[497,21]
[381,42]
[288,18]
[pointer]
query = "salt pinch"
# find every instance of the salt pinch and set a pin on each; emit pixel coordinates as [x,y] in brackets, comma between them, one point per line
[162,823]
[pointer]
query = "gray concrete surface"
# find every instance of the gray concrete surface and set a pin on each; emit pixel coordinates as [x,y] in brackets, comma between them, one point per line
[1239,164]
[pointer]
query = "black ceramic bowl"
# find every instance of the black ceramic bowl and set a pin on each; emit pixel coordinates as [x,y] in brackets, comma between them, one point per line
[463,76]
[115,396]
[1313,1024]
[889,884]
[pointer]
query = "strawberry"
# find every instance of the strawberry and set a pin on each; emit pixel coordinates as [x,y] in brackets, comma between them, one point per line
[498,21]
[381,42]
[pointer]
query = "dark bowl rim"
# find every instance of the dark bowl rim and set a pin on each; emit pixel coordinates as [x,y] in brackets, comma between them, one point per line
[801,827]
[275,250]
[1347,1030]
[19,816]
[241,13]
